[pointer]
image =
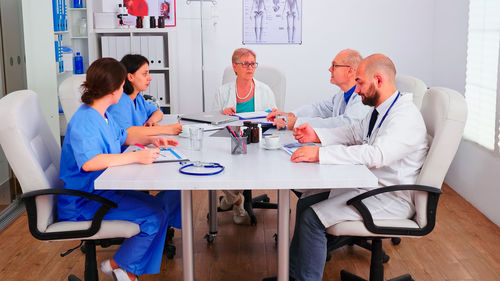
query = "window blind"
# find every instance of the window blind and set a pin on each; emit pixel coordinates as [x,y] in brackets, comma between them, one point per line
[482,72]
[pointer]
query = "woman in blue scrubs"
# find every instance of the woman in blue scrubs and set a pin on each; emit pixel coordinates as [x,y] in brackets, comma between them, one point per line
[133,112]
[139,117]
[92,144]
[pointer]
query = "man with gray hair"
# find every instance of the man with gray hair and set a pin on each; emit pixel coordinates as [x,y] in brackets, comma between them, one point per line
[343,108]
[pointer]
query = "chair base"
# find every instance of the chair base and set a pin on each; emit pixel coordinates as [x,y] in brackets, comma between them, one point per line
[347,276]
[345,240]
[376,266]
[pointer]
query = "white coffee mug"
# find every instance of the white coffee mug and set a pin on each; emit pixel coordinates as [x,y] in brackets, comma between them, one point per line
[272,142]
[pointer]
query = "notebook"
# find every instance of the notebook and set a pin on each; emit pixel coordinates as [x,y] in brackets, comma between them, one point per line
[213,118]
[252,115]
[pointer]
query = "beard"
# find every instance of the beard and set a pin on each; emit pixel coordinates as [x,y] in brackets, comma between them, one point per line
[371,97]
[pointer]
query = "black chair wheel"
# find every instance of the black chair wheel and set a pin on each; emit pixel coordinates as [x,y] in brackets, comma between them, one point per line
[84,250]
[170,233]
[253,220]
[328,256]
[73,278]
[386,258]
[210,238]
[395,240]
[275,236]
[169,251]
[208,216]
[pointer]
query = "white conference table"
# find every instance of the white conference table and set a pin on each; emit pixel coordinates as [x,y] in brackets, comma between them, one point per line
[258,169]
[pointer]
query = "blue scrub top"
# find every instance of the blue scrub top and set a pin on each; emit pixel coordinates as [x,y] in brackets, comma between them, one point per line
[128,112]
[87,135]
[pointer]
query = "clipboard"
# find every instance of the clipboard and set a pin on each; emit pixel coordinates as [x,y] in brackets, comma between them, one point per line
[167,155]
[170,155]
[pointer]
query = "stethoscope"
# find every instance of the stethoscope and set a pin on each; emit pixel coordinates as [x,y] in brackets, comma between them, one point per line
[186,166]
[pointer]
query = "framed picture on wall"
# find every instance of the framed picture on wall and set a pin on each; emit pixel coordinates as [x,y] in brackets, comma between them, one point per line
[167,10]
[161,10]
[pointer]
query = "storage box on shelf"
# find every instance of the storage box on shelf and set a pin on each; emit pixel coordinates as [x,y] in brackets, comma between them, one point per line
[155,44]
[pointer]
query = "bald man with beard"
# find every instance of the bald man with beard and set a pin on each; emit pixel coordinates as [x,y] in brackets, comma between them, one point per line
[390,141]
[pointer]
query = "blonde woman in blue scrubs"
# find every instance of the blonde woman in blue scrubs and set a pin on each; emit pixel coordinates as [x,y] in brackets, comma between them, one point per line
[245,94]
[92,144]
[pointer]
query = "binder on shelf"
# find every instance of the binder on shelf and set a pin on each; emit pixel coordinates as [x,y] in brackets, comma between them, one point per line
[162,99]
[158,89]
[145,47]
[60,15]
[122,46]
[155,52]
[153,86]
[112,46]
[136,45]
[105,47]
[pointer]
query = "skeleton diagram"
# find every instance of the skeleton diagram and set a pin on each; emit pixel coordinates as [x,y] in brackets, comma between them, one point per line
[292,14]
[276,5]
[257,14]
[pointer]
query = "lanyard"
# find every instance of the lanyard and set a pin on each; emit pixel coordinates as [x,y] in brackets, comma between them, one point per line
[385,115]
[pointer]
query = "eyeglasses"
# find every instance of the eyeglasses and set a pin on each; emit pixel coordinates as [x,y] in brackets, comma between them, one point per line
[248,64]
[339,65]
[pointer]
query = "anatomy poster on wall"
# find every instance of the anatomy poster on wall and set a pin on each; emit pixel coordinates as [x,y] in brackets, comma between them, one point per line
[272,21]
[151,8]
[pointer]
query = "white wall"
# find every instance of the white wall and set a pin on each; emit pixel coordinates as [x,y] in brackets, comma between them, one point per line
[426,39]
[474,171]
[403,32]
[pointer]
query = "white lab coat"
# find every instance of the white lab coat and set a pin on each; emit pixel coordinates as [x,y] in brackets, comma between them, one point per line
[226,96]
[394,152]
[332,112]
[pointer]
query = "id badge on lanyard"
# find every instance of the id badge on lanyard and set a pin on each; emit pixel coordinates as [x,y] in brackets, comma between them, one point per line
[370,139]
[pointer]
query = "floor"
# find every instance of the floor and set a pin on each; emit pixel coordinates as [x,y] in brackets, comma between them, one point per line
[464,246]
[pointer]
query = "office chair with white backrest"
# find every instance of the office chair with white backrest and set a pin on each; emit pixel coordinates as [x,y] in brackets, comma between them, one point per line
[271,76]
[276,80]
[444,112]
[410,84]
[34,155]
[70,94]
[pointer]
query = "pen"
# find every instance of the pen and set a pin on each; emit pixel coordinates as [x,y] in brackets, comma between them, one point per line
[232,132]
[140,145]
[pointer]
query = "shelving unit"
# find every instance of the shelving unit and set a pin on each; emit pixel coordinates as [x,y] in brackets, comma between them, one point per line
[88,43]
[167,99]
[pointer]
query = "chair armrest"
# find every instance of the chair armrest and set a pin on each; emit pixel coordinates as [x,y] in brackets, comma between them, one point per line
[30,201]
[432,200]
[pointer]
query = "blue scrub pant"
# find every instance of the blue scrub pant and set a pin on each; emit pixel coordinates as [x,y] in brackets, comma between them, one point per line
[143,252]
[172,200]
[309,242]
